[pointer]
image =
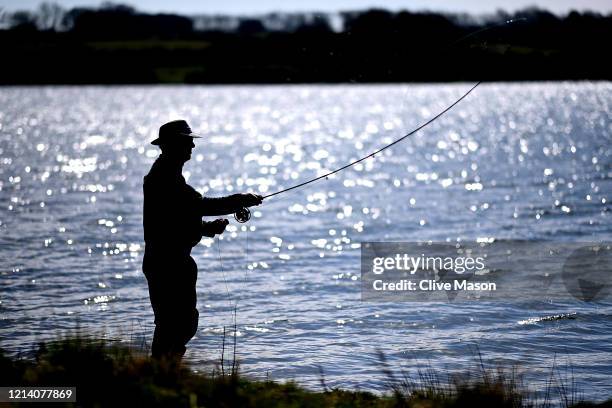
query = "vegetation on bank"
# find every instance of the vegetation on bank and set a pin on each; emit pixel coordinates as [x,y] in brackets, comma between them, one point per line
[78,46]
[107,374]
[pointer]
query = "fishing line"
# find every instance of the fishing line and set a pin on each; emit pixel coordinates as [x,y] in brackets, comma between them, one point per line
[233,305]
[472,34]
[229,298]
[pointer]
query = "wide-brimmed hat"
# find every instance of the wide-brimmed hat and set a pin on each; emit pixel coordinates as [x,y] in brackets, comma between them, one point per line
[169,132]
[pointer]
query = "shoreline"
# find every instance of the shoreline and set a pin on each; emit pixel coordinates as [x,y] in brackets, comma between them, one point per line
[128,376]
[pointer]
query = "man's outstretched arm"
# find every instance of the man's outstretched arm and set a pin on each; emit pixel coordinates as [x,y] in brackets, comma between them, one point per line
[228,205]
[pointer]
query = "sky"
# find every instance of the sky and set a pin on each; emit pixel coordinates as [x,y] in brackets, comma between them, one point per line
[264,6]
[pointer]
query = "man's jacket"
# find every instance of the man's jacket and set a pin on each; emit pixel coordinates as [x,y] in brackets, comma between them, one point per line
[173,210]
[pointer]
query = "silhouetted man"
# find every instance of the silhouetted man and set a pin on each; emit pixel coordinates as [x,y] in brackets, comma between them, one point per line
[173,224]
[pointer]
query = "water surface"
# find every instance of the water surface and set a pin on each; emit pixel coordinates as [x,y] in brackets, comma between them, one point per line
[512,161]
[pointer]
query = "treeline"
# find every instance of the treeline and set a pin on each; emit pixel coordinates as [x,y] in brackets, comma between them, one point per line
[118,44]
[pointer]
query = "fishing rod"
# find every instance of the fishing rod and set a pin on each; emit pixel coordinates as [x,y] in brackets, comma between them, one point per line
[244,214]
[374,153]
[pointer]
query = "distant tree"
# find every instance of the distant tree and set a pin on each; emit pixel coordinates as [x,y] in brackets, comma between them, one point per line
[317,24]
[23,21]
[117,8]
[4,19]
[373,22]
[251,26]
[50,16]
[116,21]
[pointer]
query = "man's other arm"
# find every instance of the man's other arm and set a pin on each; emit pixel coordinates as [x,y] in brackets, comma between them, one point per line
[212,228]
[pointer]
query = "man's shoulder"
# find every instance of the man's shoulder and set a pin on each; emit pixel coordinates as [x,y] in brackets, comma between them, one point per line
[161,168]
[158,174]
[160,177]
[153,173]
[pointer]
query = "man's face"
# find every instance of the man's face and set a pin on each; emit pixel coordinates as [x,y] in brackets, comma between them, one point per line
[181,148]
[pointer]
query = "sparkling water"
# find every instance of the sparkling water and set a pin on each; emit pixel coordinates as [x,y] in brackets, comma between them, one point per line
[512,161]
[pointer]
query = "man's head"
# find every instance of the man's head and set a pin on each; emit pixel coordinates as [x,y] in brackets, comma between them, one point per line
[176,140]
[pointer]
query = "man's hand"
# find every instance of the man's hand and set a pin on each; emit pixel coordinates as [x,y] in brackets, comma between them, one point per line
[210,229]
[218,225]
[250,199]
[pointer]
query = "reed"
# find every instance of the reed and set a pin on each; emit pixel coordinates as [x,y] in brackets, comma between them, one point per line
[110,373]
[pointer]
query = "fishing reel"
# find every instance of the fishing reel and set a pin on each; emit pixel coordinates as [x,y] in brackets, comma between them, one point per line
[242,215]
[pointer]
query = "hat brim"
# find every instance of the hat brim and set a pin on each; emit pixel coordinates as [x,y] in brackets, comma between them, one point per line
[159,141]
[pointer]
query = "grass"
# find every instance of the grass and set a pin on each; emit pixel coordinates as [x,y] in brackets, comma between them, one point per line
[109,374]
